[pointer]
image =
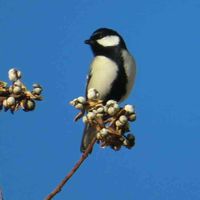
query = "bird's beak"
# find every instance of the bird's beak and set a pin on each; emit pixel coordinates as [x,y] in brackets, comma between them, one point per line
[89,41]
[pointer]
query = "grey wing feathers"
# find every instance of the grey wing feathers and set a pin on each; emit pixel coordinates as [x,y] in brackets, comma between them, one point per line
[88,134]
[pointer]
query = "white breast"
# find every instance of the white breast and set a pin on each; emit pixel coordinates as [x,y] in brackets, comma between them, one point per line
[103,72]
[130,69]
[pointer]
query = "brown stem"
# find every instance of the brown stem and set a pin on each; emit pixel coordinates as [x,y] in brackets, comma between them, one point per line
[71,173]
[116,116]
[79,115]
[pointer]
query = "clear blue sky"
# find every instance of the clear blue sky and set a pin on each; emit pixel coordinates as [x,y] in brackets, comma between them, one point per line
[44,39]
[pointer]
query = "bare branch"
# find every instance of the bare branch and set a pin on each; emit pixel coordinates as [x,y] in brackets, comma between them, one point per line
[71,173]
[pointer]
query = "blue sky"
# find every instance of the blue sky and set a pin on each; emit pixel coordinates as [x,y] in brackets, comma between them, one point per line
[44,39]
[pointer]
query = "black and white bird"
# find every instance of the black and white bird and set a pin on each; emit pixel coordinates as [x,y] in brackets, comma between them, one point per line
[112,71]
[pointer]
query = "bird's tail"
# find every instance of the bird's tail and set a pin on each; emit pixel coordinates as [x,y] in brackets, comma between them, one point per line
[88,134]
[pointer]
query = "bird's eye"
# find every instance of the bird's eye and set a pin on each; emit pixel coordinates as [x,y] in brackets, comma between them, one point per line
[100,35]
[97,35]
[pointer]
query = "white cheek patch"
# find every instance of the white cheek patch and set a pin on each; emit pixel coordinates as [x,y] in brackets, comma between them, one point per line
[112,40]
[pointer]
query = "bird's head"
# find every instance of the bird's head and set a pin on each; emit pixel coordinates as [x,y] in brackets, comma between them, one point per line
[105,39]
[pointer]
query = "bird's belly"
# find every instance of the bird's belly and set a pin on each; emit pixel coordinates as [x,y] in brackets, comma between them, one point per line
[103,73]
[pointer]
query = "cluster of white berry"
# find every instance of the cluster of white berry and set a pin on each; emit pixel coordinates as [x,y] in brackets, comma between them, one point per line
[129,115]
[78,103]
[16,95]
[113,133]
[110,121]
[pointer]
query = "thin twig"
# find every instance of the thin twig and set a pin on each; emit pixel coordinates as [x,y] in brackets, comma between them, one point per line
[79,115]
[71,173]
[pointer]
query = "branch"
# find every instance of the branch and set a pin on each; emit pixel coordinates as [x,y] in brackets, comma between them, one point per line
[72,172]
[110,123]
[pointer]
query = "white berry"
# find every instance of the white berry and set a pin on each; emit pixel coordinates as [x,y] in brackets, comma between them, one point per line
[91,115]
[104,131]
[125,142]
[11,101]
[111,111]
[129,108]
[18,83]
[5,103]
[79,106]
[12,74]
[118,123]
[132,117]
[37,91]
[17,90]
[98,136]
[85,119]
[100,110]
[81,100]
[123,119]
[110,102]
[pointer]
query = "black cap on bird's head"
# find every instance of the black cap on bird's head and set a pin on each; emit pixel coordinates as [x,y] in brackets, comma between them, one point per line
[105,38]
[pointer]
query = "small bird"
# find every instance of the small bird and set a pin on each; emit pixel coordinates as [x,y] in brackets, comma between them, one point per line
[112,71]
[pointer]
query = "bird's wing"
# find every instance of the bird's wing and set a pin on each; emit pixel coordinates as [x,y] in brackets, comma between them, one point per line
[88,132]
[87,82]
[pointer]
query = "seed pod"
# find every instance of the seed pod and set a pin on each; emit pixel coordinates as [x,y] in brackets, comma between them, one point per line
[18,83]
[91,115]
[118,124]
[98,136]
[29,105]
[111,111]
[81,100]
[10,101]
[93,110]
[73,102]
[10,89]
[5,103]
[104,132]
[122,138]
[100,110]
[85,119]
[17,90]
[99,114]
[19,74]
[12,75]
[125,142]
[131,140]
[36,85]
[92,94]
[79,106]
[129,108]
[111,102]
[132,117]
[123,119]
[116,107]
[105,108]
[37,91]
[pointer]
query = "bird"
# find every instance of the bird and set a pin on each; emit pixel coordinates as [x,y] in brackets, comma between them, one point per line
[112,71]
